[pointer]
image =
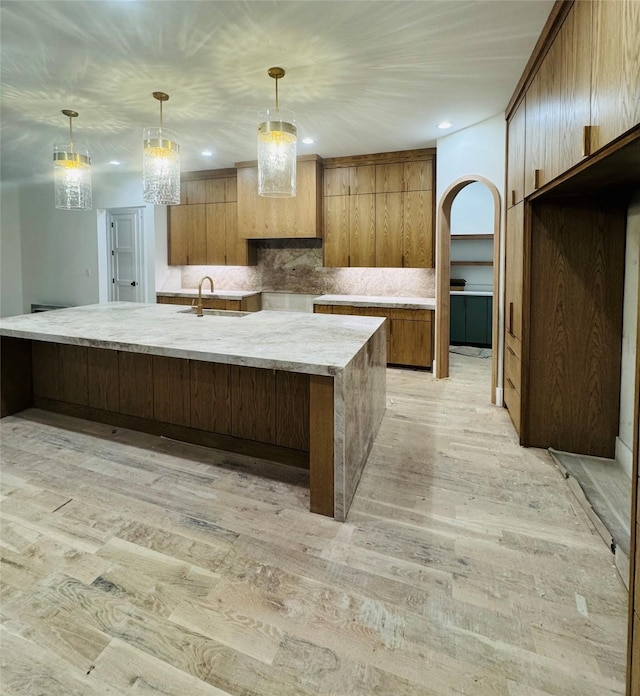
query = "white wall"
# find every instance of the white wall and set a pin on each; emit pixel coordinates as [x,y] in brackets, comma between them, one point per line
[481,150]
[63,252]
[624,441]
[11,296]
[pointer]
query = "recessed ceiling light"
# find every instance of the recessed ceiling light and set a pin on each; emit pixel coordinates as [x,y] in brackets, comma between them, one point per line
[307,141]
[444,124]
[207,153]
[115,163]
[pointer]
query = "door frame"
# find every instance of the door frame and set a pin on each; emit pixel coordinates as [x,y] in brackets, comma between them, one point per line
[140,252]
[443,279]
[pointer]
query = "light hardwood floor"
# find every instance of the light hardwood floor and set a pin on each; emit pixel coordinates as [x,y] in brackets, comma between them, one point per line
[132,564]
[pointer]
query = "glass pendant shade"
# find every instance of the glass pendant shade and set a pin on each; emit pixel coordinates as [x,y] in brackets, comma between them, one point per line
[277,142]
[71,173]
[161,167]
[160,163]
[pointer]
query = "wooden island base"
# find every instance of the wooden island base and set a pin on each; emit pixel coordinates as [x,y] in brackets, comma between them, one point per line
[262,413]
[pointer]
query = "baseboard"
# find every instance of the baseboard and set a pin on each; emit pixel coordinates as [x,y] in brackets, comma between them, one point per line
[624,457]
[499,396]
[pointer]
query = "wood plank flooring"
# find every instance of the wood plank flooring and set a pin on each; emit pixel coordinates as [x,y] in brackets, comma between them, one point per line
[134,564]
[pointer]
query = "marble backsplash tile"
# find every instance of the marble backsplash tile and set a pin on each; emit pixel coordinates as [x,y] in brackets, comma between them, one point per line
[295,265]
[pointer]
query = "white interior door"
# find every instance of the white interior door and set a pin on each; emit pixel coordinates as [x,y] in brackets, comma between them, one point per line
[124,231]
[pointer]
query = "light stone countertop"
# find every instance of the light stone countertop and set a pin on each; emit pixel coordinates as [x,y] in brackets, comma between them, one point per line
[321,344]
[375,301]
[216,294]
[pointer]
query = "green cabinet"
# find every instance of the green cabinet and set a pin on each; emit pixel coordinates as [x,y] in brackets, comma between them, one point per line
[471,318]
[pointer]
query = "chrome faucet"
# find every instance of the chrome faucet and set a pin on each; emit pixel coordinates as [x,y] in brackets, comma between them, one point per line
[199,311]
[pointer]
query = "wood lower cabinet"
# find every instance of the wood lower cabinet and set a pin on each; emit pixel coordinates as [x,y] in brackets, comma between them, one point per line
[252,303]
[409,331]
[471,320]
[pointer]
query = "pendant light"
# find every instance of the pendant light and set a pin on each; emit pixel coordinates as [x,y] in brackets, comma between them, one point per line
[276,148]
[161,163]
[71,172]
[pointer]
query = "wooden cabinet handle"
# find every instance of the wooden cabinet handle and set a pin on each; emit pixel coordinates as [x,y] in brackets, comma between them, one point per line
[513,197]
[536,178]
[511,384]
[510,349]
[586,140]
[511,318]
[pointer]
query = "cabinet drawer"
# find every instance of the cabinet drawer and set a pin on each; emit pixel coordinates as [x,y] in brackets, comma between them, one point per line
[513,344]
[409,314]
[512,369]
[512,402]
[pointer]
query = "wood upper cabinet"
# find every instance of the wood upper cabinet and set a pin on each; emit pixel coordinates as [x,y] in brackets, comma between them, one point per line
[615,78]
[379,214]
[272,218]
[515,156]
[204,228]
[584,94]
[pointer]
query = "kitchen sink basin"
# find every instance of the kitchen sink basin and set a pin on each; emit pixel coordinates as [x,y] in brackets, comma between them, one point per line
[215,312]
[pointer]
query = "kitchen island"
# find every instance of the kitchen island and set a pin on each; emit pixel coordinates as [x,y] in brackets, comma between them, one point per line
[299,388]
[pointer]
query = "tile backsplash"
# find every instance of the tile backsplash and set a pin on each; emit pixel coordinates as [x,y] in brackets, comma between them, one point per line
[295,266]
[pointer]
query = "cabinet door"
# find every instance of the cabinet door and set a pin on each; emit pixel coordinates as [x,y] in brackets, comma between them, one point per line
[515,155]
[574,41]
[389,177]
[409,343]
[336,231]
[389,227]
[216,190]
[615,84]
[418,176]
[476,321]
[238,251]
[417,232]
[514,270]
[216,233]
[457,319]
[196,191]
[178,223]
[362,179]
[197,233]
[336,181]
[362,230]
[534,134]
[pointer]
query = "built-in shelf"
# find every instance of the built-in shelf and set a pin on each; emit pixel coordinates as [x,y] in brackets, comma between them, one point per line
[471,236]
[472,263]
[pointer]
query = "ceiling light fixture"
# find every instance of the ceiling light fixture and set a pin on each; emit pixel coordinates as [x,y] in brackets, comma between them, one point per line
[276,148]
[161,163]
[71,172]
[206,153]
[308,141]
[444,124]
[115,163]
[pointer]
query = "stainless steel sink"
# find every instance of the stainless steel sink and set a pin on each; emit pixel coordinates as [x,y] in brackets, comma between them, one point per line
[215,312]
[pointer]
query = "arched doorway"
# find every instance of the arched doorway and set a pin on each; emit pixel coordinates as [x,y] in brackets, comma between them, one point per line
[443,278]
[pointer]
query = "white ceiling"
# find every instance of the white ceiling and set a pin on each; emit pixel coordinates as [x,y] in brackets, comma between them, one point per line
[362,76]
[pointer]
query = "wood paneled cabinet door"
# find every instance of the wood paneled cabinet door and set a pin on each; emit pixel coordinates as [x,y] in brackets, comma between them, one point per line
[204,229]
[272,218]
[615,73]
[409,342]
[187,234]
[404,234]
[515,156]
[350,231]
